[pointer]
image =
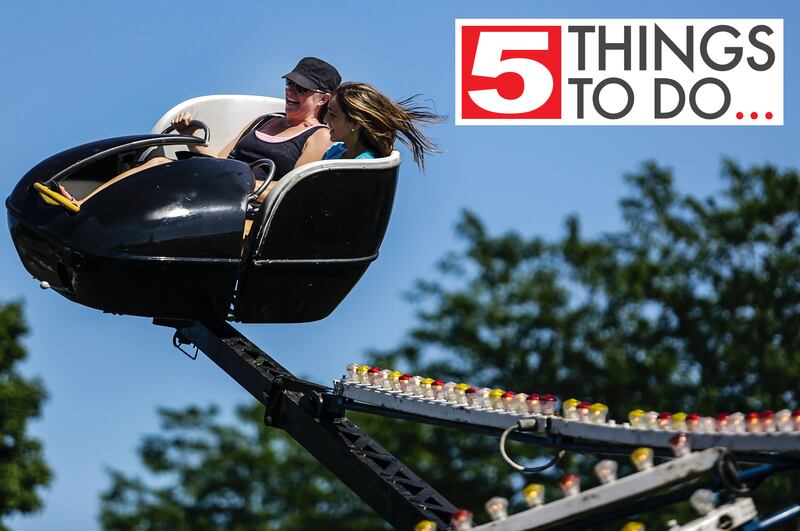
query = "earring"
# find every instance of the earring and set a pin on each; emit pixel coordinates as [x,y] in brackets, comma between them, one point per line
[352,129]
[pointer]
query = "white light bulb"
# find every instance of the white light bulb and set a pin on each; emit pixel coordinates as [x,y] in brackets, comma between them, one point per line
[703,501]
[497,508]
[606,471]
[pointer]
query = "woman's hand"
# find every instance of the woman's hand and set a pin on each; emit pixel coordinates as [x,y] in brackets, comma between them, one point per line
[181,123]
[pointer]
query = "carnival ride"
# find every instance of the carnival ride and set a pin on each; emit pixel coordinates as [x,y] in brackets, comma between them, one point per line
[168,243]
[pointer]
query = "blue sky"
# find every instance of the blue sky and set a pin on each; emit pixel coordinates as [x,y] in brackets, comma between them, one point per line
[81,71]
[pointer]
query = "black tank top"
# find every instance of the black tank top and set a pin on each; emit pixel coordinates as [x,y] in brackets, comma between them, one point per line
[284,151]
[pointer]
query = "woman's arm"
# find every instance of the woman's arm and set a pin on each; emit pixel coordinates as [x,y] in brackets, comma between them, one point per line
[315,147]
[181,123]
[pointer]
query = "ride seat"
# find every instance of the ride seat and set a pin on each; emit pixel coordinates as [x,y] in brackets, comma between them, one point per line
[225,114]
[313,238]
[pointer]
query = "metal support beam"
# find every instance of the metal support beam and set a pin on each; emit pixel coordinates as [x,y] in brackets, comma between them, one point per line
[785,514]
[303,410]
[784,443]
[605,497]
[729,516]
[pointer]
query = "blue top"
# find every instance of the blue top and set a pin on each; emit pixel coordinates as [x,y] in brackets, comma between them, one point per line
[338,149]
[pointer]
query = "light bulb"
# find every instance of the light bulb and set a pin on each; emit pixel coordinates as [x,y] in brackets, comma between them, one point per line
[459,393]
[352,373]
[518,404]
[437,386]
[497,508]
[583,411]
[415,385]
[598,413]
[496,398]
[548,404]
[473,397]
[534,495]
[425,387]
[783,420]
[569,409]
[606,471]
[373,376]
[384,379]
[461,520]
[752,422]
[736,423]
[635,417]
[570,484]
[506,400]
[650,420]
[703,501]
[679,444]
[642,458]
[534,404]
[405,384]
[425,525]
[447,390]
[679,421]
[708,425]
[394,379]
[722,422]
[484,399]
[363,378]
[767,421]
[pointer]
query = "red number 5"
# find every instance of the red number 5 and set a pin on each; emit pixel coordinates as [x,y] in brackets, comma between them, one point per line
[512,72]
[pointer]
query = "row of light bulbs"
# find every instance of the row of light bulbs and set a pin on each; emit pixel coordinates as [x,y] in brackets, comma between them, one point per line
[571,409]
[570,485]
[463,394]
[753,422]
[454,393]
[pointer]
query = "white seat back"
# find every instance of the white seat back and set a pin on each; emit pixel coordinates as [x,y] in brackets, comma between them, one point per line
[225,114]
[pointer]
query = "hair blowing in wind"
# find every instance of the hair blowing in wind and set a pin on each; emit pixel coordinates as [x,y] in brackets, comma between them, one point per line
[381,119]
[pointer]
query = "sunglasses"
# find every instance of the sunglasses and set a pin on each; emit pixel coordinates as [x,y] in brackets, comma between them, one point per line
[300,90]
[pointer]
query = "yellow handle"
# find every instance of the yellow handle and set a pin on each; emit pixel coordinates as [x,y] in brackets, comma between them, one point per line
[54,198]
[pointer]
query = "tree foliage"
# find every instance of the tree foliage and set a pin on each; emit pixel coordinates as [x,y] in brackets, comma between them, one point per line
[22,467]
[240,476]
[693,305]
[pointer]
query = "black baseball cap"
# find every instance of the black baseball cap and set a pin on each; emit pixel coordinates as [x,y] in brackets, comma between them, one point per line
[315,74]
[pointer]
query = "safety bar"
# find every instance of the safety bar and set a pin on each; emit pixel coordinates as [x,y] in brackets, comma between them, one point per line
[270,176]
[166,140]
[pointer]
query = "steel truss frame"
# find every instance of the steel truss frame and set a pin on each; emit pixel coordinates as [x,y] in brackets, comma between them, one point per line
[314,416]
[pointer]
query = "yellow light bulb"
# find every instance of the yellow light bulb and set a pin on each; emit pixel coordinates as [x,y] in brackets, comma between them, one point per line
[635,418]
[598,413]
[642,458]
[533,494]
[569,409]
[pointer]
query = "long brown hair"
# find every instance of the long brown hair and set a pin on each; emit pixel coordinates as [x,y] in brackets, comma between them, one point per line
[380,119]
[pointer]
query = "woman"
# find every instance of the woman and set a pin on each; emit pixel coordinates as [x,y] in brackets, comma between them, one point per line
[364,123]
[291,140]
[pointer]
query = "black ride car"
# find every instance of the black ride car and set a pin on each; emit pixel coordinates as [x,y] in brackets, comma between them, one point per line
[167,242]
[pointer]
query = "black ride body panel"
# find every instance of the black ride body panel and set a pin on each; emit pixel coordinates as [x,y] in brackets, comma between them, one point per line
[166,242]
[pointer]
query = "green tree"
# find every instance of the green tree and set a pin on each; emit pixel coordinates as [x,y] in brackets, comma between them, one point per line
[692,305]
[22,467]
[240,476]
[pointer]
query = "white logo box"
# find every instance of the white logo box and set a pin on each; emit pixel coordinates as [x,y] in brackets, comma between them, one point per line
[744,71]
